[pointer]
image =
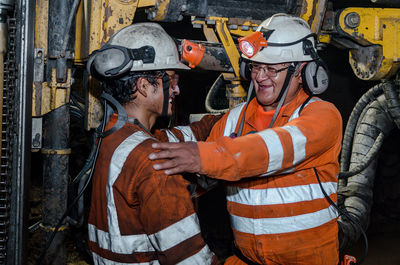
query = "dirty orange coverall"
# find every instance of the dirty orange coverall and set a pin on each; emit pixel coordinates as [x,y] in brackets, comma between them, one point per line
[280,215]
[139,215]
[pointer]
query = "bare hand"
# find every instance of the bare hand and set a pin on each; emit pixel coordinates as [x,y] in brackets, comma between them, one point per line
[182,157]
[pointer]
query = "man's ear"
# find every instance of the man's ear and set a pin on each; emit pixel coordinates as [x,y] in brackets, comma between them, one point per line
[298,71]
[142,85]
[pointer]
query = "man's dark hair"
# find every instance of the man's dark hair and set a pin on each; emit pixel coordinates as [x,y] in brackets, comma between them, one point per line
[123,89]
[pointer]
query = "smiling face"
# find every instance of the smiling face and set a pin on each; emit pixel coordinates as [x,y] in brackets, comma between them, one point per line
[268,81]
[173,91]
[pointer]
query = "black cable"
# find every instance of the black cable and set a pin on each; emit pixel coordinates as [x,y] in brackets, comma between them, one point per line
[93,163]
[345,213]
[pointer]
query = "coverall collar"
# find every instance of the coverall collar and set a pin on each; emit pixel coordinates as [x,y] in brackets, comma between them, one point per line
[286,112]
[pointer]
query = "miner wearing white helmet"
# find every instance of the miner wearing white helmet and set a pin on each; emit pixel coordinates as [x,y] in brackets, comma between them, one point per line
[278,152]
[139,215]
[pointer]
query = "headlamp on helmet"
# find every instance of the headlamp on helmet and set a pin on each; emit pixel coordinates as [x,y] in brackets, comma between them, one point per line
[192,52]
[252,43]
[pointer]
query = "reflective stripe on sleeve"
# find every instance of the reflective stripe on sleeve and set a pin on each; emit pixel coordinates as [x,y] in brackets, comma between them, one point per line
[97,260]
[204,256]
[275,150]
[176,233]
[233,118]
[299,143]
[273,196]
[118,243]
[265,226]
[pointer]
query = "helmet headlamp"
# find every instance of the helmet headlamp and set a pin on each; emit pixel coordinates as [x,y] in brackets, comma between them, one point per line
[192,53]
[252,43]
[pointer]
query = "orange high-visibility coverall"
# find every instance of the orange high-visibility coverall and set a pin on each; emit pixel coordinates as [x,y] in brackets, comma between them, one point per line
[280,216]
[139,215]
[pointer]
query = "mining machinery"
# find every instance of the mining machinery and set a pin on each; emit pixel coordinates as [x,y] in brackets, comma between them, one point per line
[44,45]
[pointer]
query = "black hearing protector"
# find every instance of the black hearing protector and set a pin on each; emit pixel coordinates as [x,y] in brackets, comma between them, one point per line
[113,61]
[314,74]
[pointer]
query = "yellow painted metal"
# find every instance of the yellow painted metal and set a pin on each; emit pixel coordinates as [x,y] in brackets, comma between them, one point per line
[41,37]
[56,151]
[160,10]
[324,38]
[313,12]
[80,39]
[41,24]
[227,41]
[51,96]
[146,3]
[236,92]
[59,93]
[306,12]
[106,18]
[240,32]
[379,26]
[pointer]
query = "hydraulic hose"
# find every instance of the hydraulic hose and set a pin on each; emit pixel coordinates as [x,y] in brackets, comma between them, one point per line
[211,95]
[355,194]
[367,160]
[392,98]
[368,97]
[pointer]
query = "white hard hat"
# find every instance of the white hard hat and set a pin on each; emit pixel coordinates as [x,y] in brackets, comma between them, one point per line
[286,34]
[138,47]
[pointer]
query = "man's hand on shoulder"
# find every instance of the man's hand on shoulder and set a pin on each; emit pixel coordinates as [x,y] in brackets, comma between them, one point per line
[181,157]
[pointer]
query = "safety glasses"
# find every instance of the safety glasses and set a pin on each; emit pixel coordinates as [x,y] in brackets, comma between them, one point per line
[270,71]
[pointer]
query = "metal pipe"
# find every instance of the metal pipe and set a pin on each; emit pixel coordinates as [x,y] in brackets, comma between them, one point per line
[55,136]
[55,181]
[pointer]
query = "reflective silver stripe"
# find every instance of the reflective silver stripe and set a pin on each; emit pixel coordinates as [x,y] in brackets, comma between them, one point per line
[118,243]
[295,114]
[204,256]
[187,133]
[299,143]
[233,119]
[273,196]
[266,226]
[176,233]
[171,137]
[275,150]
[97,260]
[129,244]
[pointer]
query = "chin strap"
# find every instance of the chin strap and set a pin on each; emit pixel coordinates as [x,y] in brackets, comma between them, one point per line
[239,133]
[165,83]
[285,88]
[123,118]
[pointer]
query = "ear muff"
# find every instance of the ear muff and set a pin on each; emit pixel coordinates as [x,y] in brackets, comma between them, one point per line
[244,71]
[113,61]
[315,77]
[315,73]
